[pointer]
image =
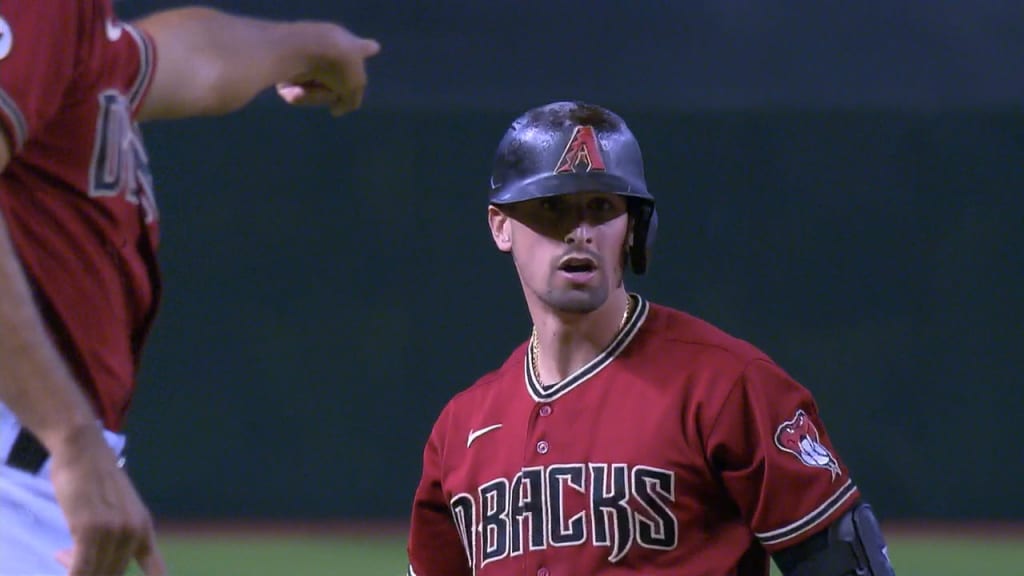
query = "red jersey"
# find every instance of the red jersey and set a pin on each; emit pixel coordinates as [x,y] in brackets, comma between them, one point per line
[679,450]
[77,194]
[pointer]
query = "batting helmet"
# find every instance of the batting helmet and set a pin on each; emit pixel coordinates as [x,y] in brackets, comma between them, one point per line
[569,147]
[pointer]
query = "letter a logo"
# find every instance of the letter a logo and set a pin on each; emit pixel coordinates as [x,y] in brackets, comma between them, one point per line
[582,153]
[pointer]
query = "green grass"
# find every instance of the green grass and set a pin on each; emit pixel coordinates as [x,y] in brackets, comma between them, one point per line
[948,556]
[216,554]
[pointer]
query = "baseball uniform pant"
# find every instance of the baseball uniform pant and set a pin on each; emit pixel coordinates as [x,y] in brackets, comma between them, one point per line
[32,526]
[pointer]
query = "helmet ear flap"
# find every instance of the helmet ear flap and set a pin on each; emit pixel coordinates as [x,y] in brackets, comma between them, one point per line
[644,229]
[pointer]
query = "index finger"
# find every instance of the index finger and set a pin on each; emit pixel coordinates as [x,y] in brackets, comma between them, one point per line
[149,558]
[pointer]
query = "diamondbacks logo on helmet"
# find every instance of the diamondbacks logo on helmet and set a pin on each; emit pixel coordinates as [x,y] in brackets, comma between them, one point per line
[582,153]
[800,438]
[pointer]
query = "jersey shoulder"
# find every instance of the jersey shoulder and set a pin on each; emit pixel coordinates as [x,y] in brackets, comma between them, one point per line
[489,393]
[674,332]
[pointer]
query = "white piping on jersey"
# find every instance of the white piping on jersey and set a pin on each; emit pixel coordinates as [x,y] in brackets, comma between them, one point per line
[145,63]
[474,434]
[6,38]
[113,29]
[10,108]
[811,520]
[542,393]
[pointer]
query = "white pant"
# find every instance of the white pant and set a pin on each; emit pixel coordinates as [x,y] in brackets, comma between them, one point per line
[32,525]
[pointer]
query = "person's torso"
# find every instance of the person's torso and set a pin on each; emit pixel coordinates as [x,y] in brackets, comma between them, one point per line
[79,202]
[605,472]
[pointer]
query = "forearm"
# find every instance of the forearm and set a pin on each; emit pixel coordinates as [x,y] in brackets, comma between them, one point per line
[35,382]
[212,63]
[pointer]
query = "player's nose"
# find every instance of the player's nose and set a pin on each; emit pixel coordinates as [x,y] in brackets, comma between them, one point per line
[581,233]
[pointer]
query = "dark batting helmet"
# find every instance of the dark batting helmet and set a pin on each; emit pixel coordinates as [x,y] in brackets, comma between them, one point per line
[568,147]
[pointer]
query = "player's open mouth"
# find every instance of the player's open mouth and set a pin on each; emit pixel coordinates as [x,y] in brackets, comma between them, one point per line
[578,268]
[575,264]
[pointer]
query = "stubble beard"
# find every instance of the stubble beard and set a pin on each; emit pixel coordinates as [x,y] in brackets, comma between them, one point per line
[576,299]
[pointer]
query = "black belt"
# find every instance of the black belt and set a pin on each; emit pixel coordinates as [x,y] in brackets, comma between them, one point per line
[27,454]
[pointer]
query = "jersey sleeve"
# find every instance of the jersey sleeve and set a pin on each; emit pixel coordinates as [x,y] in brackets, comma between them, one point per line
[51,48]
[435,546]
[776,460]
[38,42]
[136,52]
[128,49]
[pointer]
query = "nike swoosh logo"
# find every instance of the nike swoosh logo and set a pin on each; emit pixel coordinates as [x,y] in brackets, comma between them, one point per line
[114,30]
[474,434]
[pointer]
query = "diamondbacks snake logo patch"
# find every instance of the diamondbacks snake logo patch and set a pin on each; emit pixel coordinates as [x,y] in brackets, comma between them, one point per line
[800,438]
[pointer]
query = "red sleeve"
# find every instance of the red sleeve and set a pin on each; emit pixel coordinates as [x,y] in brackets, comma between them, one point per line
[123,47]
[776,460]
[135,51]
[54,49]
[435,546]
[38,43]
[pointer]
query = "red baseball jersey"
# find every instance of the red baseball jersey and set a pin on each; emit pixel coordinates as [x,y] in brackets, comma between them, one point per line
[78,194]
[679,450]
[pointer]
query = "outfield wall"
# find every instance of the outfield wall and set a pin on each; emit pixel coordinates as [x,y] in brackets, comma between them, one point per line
[329,284]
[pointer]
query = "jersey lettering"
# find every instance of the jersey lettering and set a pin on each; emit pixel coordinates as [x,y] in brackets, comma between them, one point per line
[572,531]
[120,165]
[494,525]
[609,499]
[653,487]
[527,504]
[463,513]
[623,506]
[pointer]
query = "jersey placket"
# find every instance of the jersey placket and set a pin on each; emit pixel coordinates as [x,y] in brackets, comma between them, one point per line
[538,455]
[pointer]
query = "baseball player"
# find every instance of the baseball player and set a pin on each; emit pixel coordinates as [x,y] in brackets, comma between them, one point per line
[623,437]
[79,281]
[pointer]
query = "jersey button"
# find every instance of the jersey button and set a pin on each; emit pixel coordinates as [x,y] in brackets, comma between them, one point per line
[542,447]
[543,572]
[545,410]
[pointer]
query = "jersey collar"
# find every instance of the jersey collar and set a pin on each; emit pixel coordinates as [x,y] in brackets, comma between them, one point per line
[622,339]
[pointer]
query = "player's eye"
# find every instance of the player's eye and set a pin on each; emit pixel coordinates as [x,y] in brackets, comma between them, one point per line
[552,204]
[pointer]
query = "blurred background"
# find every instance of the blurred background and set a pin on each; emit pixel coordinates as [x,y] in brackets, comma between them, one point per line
[838,183]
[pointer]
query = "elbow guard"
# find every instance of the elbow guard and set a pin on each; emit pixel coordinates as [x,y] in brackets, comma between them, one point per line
[851,546]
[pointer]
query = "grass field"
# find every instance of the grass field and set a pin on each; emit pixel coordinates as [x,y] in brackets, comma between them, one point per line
[215,553]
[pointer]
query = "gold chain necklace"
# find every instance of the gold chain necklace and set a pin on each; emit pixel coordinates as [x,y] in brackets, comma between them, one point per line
[535,342]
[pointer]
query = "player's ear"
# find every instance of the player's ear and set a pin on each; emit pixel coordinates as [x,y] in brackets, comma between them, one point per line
[501,228]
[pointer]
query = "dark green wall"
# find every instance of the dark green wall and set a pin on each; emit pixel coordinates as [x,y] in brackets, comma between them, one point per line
[331,283]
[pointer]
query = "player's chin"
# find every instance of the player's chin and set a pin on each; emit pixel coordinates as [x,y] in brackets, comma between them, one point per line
[578,298]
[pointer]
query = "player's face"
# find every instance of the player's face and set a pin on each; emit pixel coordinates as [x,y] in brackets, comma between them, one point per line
[568,249]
